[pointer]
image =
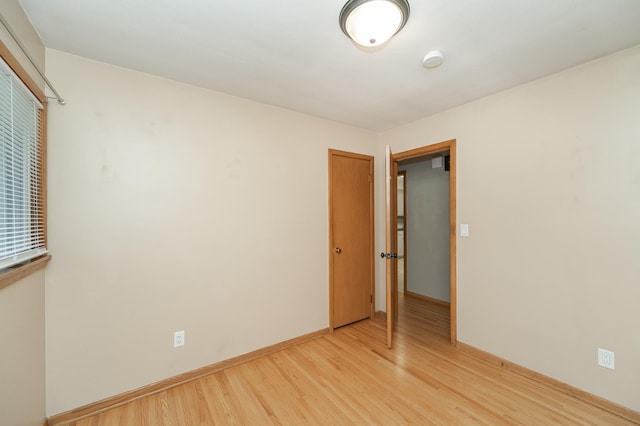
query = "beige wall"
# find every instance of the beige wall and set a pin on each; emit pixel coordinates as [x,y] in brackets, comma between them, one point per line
[22,357]
[22,396]
[177,208]
[427,229]
[548,180]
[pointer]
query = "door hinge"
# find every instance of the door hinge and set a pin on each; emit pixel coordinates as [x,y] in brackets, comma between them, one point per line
[371,298]
[370,178]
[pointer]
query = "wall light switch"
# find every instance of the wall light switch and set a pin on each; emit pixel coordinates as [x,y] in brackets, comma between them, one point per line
[464,229]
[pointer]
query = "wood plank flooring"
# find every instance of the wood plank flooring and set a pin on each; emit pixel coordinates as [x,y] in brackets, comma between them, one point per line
[350,377]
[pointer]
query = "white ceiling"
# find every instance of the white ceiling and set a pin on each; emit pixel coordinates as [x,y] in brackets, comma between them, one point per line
[292,53]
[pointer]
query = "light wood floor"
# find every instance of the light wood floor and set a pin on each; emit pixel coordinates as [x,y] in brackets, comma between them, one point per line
[351,378]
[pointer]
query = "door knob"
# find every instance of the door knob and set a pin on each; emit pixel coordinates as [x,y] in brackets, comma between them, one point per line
[338,250]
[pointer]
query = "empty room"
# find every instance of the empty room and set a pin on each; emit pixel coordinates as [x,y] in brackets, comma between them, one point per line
[319,212]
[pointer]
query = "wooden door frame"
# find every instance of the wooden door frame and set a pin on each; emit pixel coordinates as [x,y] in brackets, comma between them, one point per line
[370,159]
[450,146]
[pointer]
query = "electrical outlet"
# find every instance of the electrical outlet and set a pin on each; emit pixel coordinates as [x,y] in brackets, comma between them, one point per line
[606,359]
[178,339]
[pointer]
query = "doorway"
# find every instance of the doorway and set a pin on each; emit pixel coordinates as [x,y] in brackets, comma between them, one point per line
[401,199]
[351,238]
[427,217]
[436,263]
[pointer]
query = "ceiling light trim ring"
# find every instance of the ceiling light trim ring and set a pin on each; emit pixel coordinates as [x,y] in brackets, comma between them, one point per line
[352,5]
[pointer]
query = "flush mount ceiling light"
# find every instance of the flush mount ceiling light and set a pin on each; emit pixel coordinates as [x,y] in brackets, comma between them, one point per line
[373,22]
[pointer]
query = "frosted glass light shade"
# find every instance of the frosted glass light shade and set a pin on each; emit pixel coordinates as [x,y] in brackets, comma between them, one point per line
[373,22]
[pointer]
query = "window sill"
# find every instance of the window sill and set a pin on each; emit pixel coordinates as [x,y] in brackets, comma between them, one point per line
[18,272]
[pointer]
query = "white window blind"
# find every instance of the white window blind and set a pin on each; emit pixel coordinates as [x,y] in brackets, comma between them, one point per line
[21,172]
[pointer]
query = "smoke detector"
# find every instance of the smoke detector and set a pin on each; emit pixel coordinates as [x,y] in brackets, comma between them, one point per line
[433,59]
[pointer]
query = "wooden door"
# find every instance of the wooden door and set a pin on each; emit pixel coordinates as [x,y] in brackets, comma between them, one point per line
[351,248]
[391,256]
